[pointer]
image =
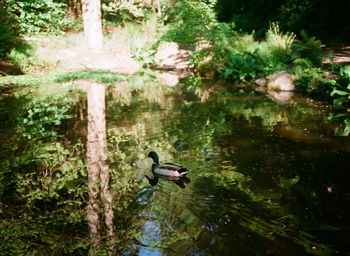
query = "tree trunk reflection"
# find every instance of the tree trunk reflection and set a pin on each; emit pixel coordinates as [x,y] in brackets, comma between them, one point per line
[98,170]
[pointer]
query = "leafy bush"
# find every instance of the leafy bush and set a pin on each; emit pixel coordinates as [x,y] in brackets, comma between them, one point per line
[311,80]
[244,43]
[23,59]
[36,16]
[275,51]
[317,17]
[125,11]
[309,48]
[8,28]
[191,21]
[245,57]
[341,90]
[341,96]
[43,117]
[240,67]
[321,84]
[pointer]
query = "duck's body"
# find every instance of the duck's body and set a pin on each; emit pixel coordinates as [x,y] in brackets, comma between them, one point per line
[169,171]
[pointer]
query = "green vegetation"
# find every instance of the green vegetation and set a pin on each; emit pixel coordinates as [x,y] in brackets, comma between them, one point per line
[317,17]
[240,56]
[8,31]
[43,174]
[122,12]
[38,16]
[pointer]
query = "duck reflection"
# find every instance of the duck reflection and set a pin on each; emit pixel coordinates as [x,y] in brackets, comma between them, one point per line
[180,181]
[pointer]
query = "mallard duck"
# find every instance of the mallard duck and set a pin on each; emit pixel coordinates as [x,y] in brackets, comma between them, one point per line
[169,171]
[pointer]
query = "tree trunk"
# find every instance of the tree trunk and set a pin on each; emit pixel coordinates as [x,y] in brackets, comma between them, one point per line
[93,23]
[159,8]
[74,8]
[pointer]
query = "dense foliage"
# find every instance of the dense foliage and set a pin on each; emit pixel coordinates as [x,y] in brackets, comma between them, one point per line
[120,12]
[237,53]
[8,30]
[36,16]
[324,19]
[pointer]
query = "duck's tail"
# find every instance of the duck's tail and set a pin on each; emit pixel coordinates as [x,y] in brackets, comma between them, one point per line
[183,171]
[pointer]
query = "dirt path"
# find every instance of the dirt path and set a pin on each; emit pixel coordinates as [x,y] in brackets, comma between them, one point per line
[81,58]
[75,57]
[339,54]
[70,53]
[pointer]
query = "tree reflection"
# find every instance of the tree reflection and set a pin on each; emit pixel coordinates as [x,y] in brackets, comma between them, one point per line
[242,178]
[98,170]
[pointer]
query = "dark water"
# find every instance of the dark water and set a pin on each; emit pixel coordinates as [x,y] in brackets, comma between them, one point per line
[266,179]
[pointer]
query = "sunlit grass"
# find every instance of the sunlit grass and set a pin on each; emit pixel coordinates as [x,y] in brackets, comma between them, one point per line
[104,77]
[133,36]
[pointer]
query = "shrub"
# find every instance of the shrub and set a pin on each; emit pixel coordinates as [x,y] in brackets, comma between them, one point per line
[341,90]
[23,59]
[245,57]
[190,21]
[275,51]
[240,67]
[125,11]
[35,16]
[8,38]
[309,48]
[310,80]
[244,43]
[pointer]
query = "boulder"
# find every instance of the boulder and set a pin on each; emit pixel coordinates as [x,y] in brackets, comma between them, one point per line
[169,56]
[169,78]
[261,82]
[280,81]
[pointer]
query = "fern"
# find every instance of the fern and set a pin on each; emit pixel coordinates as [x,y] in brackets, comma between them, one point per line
[308,48]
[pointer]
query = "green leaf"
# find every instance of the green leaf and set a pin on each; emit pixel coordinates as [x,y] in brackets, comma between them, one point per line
[339,92]
[340,101]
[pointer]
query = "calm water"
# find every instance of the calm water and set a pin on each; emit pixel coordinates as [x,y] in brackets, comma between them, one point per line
[266,179]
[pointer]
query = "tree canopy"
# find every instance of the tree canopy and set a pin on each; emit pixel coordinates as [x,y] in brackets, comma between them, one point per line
[325,19]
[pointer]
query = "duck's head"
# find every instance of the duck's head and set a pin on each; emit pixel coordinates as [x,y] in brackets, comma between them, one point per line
[154,156]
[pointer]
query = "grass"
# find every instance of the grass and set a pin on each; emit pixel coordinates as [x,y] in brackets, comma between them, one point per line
[135,37]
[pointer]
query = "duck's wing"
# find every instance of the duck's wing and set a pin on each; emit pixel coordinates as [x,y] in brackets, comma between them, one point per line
[175,167]
[171,169]
[173,164]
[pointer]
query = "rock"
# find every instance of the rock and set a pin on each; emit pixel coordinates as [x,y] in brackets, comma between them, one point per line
[169,78]
[280,81]
[203,44]
[166,50]
[169,56]
[261,82]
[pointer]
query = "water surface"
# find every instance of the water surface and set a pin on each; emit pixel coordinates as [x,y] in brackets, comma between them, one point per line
[266,179]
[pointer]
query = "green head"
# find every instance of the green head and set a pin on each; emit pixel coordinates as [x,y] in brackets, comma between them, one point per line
[154,156]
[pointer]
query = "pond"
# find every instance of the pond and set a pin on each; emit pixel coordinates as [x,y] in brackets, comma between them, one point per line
[265,179]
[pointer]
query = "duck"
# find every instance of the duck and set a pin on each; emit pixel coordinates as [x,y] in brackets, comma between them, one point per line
[169,171]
